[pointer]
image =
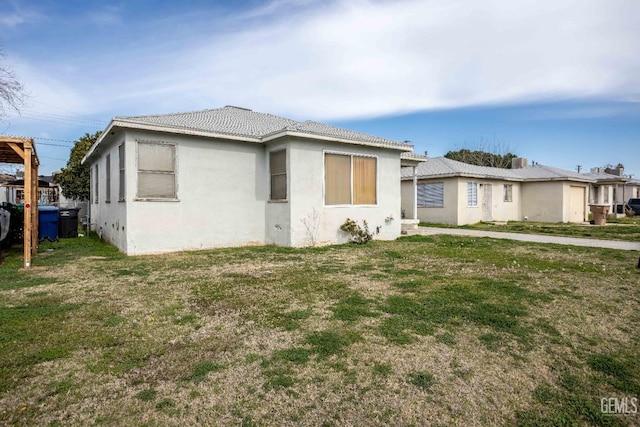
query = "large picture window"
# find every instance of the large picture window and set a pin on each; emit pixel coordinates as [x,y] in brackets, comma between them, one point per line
[350,179]
[430,195]
[472,194]
[278,171]
[156,170]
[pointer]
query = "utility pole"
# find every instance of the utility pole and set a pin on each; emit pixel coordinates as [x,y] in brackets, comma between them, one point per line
[579,168]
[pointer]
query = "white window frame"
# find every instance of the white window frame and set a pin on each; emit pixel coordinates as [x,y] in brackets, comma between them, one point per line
[174,173]
[285,173]
[507,193]
[426,202]
[472,187]
[107,179]
[351,156]
[121,173]
[96,197]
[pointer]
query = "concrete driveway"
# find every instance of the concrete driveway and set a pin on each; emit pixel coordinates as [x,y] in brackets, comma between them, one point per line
[538,238]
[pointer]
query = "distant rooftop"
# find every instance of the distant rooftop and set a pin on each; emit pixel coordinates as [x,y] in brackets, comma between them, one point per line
[441,167]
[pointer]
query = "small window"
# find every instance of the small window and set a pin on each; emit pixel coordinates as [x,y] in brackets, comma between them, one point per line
[97,184]
[508,192]
[278,170]
[431,195]
[156,170]
[472,194]
[121,173]
[350,179]
[107,181]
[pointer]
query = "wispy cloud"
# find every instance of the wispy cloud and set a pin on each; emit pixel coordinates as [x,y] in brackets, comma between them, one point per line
[106,16]
[357,58]
[15,13]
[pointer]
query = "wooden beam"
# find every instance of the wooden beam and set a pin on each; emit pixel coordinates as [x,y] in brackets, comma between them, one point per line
[34,209]
[17,149]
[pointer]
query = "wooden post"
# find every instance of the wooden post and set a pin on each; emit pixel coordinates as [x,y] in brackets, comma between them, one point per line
[34,208]
[28,218]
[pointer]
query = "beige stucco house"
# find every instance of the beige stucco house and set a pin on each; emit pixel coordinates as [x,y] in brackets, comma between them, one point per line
[452,192]
[231,176]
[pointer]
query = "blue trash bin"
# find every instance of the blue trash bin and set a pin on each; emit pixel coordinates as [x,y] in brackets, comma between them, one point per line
[48,223]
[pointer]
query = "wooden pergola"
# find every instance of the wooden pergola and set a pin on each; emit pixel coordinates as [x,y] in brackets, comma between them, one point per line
[23,151]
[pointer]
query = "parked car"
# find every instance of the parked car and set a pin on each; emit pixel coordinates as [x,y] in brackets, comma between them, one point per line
[634,204]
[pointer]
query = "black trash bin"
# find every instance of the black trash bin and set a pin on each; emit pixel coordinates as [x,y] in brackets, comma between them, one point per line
[68,222]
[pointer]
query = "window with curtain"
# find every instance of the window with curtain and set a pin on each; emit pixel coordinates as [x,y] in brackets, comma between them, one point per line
[508,192]
[472,194]
[121,173]
[430,195]
[156,170]
[350,179]
[107,180]
[278,171]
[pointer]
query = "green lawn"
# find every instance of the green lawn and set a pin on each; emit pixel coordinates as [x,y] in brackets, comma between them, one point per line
[437,330]
[627,228]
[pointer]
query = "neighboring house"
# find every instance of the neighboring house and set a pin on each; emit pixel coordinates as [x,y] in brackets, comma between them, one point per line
[612,187]
[231,176]
[457,193]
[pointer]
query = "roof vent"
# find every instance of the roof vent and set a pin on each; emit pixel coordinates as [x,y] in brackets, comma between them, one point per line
[239,108]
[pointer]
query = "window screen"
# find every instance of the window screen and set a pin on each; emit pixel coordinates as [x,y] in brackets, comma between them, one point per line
[278,169]
[156,170]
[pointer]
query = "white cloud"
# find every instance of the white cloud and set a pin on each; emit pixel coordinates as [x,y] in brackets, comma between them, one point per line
[357,58]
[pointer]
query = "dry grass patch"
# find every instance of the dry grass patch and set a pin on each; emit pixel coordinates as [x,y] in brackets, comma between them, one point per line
[422,331]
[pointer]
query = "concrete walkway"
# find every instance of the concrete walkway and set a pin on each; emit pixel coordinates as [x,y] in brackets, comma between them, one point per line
[538,238]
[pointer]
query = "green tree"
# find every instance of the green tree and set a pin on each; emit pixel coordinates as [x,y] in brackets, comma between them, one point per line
[74,179]
[482,158]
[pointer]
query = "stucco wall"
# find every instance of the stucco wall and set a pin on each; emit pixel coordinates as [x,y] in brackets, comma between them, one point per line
[221,189]
[407,198]
[110,219]
[306,170]
[448,214]
[543,201]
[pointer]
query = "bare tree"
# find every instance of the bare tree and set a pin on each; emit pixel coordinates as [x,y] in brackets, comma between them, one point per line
[11,90]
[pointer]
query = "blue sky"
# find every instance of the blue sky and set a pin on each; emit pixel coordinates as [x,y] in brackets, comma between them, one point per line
[556,81]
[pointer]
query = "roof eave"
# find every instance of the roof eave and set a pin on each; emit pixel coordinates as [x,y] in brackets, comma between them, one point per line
[284,133]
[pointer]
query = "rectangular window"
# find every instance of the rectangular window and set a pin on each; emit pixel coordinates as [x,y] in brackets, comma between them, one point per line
[472,194]
[508,193]
[121,173]
[350,179]
[107,181]
[156,170]
[278,170]
[97,184]
[431,195]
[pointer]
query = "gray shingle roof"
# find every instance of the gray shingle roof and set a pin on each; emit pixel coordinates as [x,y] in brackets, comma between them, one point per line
[441,167]
[241,122]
